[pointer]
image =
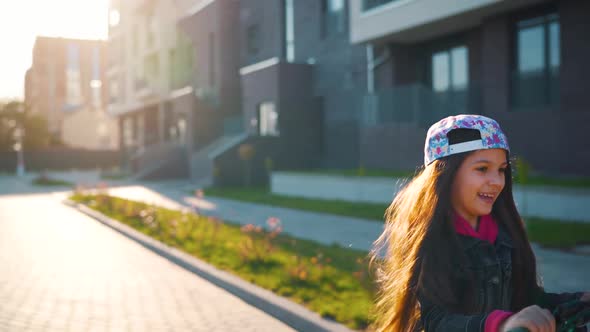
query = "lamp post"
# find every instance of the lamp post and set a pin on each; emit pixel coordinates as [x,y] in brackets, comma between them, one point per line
[18,146]
[19,133]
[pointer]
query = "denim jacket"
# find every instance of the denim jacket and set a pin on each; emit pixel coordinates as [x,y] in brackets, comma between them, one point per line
[492,268]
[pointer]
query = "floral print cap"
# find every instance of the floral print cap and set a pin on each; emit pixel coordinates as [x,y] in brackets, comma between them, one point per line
[437,144]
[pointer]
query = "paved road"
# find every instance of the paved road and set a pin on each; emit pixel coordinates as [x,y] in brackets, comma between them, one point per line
[62,271]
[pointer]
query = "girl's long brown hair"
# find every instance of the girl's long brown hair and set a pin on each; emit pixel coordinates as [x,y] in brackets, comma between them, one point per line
[419,250]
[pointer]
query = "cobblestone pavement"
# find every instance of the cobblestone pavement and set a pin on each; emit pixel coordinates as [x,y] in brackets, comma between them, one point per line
[63,271]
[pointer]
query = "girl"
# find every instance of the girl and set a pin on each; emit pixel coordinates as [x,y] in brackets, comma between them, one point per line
[457,257]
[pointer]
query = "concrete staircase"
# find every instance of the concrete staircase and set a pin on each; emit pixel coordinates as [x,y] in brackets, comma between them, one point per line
[160,161]
[201,162]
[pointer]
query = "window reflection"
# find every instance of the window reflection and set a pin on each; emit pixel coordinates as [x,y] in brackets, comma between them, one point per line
[440,71]
[450,69]
[269,124]
[531,45]
[536,79]
[459,67]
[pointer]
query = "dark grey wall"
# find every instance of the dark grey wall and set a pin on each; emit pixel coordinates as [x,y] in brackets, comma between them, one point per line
[553,139]
[229,57]
[219,19]
[257,87]
[268,16]
[575,54]
[339,77]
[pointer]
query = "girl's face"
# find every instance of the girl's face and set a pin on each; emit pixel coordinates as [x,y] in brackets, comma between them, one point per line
[478,183]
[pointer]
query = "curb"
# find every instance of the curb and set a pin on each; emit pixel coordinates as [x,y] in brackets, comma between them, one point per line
[290,313]
[582,250]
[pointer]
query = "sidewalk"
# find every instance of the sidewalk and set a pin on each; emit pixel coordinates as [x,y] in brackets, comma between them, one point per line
[559,203]
[561,271]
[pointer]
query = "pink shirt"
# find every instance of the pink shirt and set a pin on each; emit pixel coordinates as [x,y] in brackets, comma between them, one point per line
[487,231]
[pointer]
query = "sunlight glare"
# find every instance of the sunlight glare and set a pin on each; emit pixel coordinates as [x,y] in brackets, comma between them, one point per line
[21,21]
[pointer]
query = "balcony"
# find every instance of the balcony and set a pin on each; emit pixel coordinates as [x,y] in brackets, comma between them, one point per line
[418,104]
[143,89]
[419,20]
[233,125]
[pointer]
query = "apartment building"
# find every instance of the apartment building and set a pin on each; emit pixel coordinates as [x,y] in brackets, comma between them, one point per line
[345,84]
[151,71]
[67,78]
[520,62]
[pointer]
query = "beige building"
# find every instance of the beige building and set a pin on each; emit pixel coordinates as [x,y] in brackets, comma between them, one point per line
[67,83]
[89,129]
[150,70]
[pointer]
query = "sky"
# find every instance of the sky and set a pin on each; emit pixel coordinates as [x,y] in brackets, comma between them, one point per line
[22,20]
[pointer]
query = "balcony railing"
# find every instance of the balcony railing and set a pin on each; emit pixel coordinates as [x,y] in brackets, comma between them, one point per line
[419,104]
[233,125]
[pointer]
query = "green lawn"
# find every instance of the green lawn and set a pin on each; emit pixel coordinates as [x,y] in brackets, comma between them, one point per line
[580,182]
[263,196]
[359,172]
[44,181]
[532,180]
[547,232]
[552,233]
[330,280]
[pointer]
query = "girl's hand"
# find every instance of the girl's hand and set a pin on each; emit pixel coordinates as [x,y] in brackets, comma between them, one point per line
[533,318]
[585,297]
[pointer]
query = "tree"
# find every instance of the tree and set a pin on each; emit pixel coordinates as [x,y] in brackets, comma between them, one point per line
[13,115]
[37,134]
[8,123]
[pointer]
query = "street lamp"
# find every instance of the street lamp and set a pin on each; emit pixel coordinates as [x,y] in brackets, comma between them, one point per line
[18,146]
[19,134]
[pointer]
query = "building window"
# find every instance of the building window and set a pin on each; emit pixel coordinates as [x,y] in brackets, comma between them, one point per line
[140,133]
[128,135]
[332,17]
[449,82]
[211,60]
[269,119]
[135,39]
[450,70]
[113,91]
[370,4]
[152,31]
[152,68]
[96,82]
[253,39]
[73,79]
[289,31]
[538,60]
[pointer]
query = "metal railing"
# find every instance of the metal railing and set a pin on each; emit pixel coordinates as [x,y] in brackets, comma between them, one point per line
[417,103]
[233,125]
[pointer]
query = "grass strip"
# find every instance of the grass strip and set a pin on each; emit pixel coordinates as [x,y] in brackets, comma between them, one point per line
[330,280]
[547,232]
[263,196]
[357,172]
[48,182]
[531,180]
[557,234]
